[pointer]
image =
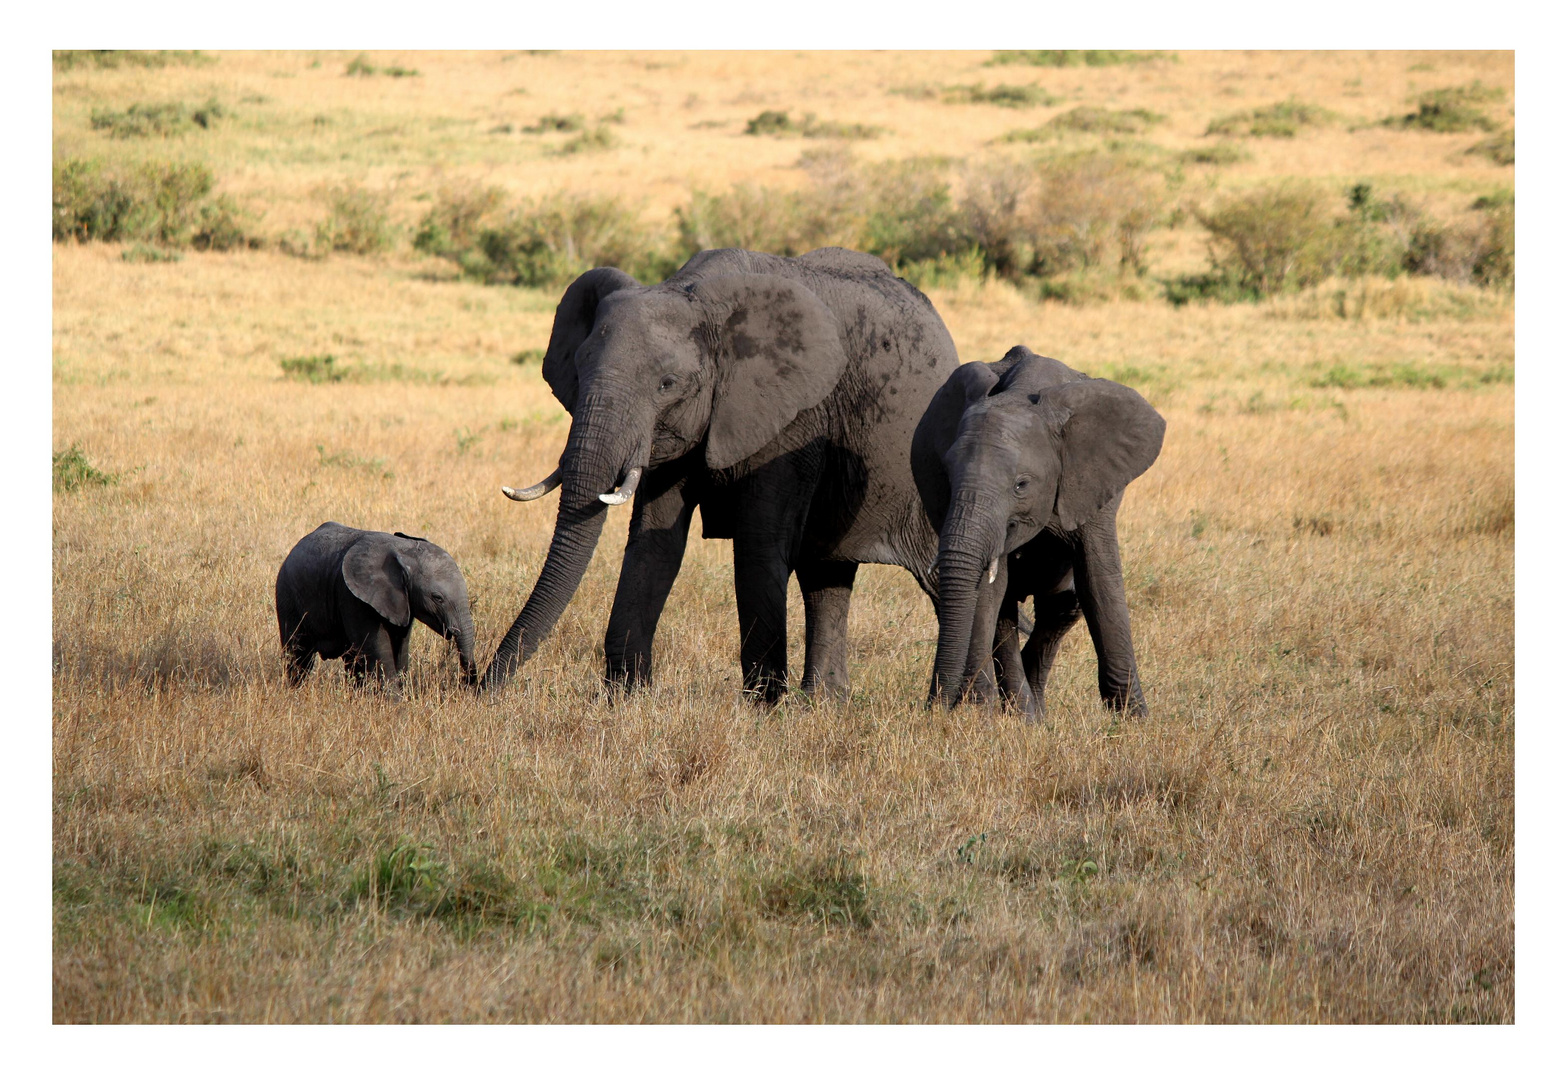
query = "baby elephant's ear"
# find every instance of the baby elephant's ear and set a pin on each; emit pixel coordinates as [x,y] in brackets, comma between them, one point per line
[1110,438]
[375,574]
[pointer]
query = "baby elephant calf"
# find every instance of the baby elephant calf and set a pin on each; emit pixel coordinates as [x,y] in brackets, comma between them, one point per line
[351,593]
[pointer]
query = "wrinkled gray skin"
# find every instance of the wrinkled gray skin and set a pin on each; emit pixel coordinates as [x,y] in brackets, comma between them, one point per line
[1024,461]
[779,395]
[351,593]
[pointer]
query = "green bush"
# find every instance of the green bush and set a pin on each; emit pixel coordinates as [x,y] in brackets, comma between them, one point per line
[1499,147]
[1476,250]
[1008,97]
[762,219]
[1281,120]
[773,122]
[313,369]
[157,201]
[222,226]
[142,121]
[72,471]
[1224,153]
[357,221]
[541,242]
[1272,239]
[1088,119]
[555,122]
[597,138]
[69,59]
[1454,108]
[1060,58]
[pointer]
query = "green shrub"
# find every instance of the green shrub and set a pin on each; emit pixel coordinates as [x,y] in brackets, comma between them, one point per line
[1476,250]
[1454,108]
[146,253]
[1272,239]
[1224,153]
[773,122]
[452,224]
[357,221]
[598,138]
[1060,58]
[1499,147]
[1008,97]
[360,65]
[313,369]
[1281,120]
[69,59]
[542,242]
[142,121]
[156,201]
[72,471]
[762,219]
[555,122]
[1088,119]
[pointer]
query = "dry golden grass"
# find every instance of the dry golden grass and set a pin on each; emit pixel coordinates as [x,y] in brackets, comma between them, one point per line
[1314,823]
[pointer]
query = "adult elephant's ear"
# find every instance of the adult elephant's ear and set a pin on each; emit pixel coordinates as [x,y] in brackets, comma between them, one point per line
[574,317]
[376,574]
[778,353]
[1109,437]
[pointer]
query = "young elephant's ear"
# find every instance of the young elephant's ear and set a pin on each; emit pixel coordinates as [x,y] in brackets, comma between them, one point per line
[778,353]
[376,574]
[1110,437]
[574,317]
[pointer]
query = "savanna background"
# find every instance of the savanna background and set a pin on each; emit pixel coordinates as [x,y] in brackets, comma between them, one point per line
[294,287]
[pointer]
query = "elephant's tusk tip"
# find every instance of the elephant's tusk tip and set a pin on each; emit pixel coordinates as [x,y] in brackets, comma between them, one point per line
[994,565]
[614,498]
[510,493]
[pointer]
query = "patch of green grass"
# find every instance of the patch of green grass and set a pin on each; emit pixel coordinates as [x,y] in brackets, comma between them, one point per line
[831,891]
[1061,58]
[70,59]
[358,221]
[313,369]
[1224,153]
[529,357]
[1281,120]
[361,66]
[1088,119]
[1400,376]
[72,471]
[1498,148]
[552,122]
[144,121]
[597,138]
[1006,96]
[1453,108]
[148,253]
[774,122]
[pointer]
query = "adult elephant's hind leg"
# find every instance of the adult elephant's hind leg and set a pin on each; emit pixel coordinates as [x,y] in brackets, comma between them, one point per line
[655,548]
[826,587]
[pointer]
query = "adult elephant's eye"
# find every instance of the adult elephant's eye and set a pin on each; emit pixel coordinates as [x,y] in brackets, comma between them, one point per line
[1021,486]
[437,598]
[667,383]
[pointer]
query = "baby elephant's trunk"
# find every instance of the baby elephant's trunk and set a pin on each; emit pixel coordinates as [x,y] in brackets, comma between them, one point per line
[462,637]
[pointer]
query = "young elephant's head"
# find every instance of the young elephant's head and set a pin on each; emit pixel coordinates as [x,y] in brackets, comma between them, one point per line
[406,577]
[1007,450]
[651,374]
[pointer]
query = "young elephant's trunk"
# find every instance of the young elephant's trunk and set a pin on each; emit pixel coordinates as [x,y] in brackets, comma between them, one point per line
[462,636]
[596,458]
[970,543]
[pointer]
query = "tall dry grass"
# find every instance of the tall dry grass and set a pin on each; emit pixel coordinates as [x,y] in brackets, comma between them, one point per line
[1315,822]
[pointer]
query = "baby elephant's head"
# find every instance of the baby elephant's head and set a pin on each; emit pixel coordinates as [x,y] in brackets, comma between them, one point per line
[406,577]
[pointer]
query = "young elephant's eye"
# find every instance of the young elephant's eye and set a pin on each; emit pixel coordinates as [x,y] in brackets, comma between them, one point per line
[437,598]
[667,383]
[1021,486]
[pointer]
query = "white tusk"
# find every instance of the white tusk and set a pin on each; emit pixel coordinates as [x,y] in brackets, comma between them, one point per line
[994,564]
[528,494]
[624,492]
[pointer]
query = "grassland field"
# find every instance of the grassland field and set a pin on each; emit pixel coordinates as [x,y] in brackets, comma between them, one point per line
[1313,824]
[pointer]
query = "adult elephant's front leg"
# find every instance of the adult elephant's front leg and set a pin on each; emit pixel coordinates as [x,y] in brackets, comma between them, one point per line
[1102,593]
[825,586]
[660,524]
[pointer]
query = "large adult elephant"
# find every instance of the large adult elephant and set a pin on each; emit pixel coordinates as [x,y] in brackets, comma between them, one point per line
[779,395]
[1021,465]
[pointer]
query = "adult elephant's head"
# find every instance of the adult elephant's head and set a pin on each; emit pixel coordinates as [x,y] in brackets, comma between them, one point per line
[1006,451]
[651,374]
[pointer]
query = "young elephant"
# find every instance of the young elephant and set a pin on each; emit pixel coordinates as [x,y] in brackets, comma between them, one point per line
[1021,465]
[351,593]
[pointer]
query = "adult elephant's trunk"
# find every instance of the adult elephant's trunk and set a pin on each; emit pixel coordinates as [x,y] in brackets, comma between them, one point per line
[971,541]
[596,458]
